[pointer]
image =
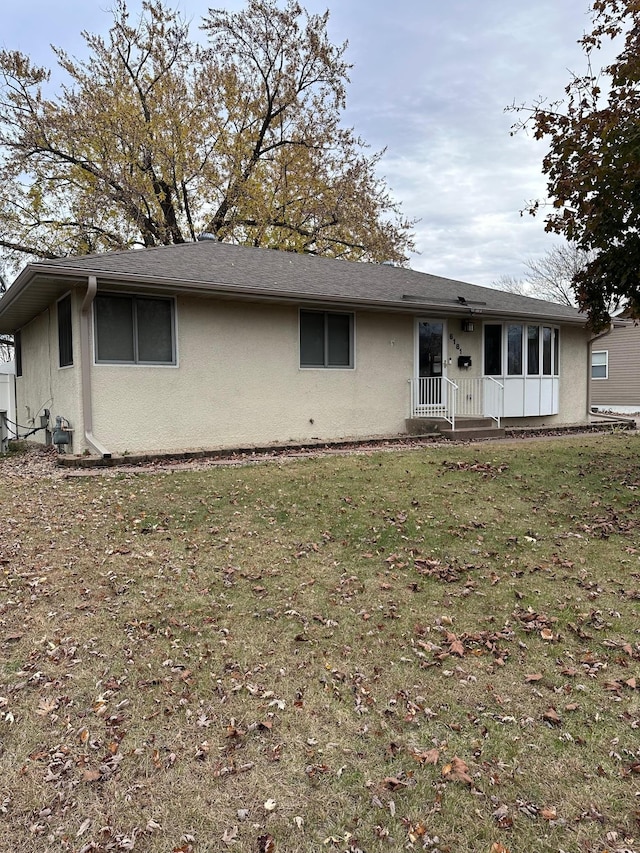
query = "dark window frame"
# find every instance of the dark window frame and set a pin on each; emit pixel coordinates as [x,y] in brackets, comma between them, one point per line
[65,331]
[538,351]
[135,302]
[17,351]
[326,361]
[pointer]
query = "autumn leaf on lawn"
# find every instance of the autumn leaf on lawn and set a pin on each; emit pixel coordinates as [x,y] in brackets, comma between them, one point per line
[426,756]
[89,775]
[230,834]
[269,805]
[455,646]
[549,813]
[46,707]
[551,716]
[266,844]
[534,676]
[393,783]
[457,771]
[496,847]
[502,817]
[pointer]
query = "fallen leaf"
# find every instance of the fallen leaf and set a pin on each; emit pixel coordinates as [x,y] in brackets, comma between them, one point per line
[457,771]
[266,844]
[549,812]
[270,805]
[428,756]
[91,775]
[551,716]
[392,783]
[84,826]
[229,835]
[535,676]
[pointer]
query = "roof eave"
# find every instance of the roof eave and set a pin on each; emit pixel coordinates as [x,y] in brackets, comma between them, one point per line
[73,275]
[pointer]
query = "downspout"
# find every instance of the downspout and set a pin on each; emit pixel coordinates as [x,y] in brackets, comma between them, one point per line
[85,355]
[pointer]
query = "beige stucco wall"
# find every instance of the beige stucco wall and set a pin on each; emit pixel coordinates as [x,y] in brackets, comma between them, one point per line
[44,385]
[237,382]
[622,385]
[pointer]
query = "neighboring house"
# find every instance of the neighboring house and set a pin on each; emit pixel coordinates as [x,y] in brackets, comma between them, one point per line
[206,345]
[615,368]
[7,403]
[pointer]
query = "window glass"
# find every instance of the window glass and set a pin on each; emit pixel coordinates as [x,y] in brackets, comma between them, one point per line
[114,328]
[326,339]
[546,351]
[65,335]
[338,340]
[430,347]
[134,330]
[556,352]
[533,350]
[154,326]
[312,339]
[514,350]
[492,350]
[599,364]
[17,349]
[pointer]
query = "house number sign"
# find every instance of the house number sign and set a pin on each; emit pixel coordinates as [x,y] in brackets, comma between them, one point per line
[457,345]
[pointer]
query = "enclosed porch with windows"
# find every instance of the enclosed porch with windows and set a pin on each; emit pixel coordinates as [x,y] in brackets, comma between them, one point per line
[518,374]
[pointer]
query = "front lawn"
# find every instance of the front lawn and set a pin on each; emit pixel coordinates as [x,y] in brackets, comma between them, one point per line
[435,649]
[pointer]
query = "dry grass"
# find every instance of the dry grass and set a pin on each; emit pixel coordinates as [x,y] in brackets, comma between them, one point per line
[436,650]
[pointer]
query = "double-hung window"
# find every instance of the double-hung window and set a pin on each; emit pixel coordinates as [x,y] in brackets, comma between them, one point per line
[326,339]
[134,329]
[600,364]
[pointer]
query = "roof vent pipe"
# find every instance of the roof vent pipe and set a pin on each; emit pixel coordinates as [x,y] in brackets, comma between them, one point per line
[85,363]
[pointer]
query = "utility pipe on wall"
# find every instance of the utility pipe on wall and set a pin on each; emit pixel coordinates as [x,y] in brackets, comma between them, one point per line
[85,362]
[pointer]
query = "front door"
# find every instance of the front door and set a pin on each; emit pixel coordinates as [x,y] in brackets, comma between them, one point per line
[431,360]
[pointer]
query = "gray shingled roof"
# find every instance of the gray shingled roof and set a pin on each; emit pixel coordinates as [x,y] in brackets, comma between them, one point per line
[212,268]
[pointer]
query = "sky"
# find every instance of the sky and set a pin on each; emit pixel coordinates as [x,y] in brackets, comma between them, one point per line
[430,82]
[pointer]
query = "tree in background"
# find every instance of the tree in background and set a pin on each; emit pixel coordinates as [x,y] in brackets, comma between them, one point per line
[551,276]
[593,164]
[154,139]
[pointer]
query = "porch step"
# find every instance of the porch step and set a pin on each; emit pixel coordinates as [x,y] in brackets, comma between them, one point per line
[423,426]
[471,429]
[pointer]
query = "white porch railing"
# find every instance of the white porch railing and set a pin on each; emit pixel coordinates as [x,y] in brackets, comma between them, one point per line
[439,397]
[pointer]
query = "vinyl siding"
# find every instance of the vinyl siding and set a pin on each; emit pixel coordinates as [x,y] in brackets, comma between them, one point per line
[622,385]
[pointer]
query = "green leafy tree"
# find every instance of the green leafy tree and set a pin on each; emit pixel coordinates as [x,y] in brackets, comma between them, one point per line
[593,163]
[154,139]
